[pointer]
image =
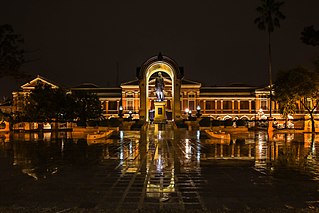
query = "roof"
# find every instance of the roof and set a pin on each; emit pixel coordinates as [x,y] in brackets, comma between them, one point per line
[100,92]
[130,83]
[224,91]
[86,85]
[186,81]
[33,83]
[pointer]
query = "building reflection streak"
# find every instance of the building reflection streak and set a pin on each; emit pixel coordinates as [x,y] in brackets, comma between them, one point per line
[121,147]
[198,147]
[160,177]
[261,151]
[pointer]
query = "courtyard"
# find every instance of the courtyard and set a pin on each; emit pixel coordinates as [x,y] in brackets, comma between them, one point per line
[159,169]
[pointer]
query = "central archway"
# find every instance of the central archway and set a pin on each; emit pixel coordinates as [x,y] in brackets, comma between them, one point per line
[159,64]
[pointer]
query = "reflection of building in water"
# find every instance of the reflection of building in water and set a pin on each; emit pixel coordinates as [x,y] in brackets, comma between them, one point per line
[283,150]
[261,150]
[159,163]
[232,149]
[128,153]
[33,159]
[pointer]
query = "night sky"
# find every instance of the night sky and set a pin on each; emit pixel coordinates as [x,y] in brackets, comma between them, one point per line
[217,42]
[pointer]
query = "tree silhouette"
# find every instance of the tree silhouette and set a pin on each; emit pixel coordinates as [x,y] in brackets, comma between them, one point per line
[11,53]
[269,19]
[87,106]
[310,36]
[294,85]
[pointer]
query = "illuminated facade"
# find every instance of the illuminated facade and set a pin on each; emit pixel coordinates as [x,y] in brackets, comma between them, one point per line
[235,101]
[219,102]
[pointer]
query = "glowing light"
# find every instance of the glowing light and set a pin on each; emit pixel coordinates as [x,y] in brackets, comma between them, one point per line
[198,134]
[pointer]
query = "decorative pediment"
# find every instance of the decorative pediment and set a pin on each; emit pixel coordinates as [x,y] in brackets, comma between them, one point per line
[39,79]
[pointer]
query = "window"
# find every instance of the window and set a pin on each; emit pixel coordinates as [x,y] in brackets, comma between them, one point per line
[244,105]
[253,105]
[191,105]
[235,105]
[112,105]
[210,105]
[227,105]
[129,105]
[191,95]
[263,104]
[129,95]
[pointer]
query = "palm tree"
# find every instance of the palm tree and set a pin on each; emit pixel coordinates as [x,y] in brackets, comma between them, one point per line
[268,20]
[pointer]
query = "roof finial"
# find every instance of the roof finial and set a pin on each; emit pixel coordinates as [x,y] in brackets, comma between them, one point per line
[160,57]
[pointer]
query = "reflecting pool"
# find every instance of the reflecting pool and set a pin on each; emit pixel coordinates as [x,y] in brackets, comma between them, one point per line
[159,168]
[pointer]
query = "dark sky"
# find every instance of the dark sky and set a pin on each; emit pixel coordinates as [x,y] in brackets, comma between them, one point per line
[217,42]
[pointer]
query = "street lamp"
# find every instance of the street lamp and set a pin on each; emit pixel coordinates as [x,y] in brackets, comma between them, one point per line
[198,114]
[189,114]
[130,113]
[120,111]
[186,111]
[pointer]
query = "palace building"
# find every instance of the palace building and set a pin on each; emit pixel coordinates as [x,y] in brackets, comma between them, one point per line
[182,96]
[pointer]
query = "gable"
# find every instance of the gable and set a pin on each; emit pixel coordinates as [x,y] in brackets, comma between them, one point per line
[33,83]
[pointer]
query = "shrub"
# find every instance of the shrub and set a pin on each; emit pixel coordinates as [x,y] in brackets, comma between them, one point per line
[240,122]
[180,124]
[228,122]
[137,125]
[81,123]
[205,122]
[216,123]
[103,123]
[114,122]
[92,123]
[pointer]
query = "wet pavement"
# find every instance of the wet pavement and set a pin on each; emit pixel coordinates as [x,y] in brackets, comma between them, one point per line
[160,169]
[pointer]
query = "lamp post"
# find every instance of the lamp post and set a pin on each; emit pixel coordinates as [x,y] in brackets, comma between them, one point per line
[186,111]
[189,114]
[130,113]
[120,112]
[198,114]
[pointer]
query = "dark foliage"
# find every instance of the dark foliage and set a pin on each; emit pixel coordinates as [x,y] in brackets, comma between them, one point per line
[270,15]
[87,106]
[228,122]
[216,123]
[11,52]
[241,122]
[204,122]
[310,36]
[114,122]
[46,104]
[180,124]
[294,85]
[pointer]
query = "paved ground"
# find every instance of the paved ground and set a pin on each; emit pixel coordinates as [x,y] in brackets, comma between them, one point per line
[161,170]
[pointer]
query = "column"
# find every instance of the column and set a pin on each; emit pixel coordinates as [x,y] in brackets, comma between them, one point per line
[204,106]
[106,107]
[221,106]
[216,107]
[232,106]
